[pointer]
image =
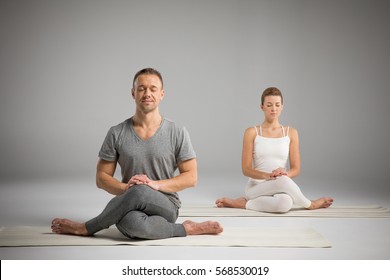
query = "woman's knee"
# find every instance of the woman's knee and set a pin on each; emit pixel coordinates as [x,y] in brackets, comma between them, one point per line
[285,180]
[285,184]
[284,203]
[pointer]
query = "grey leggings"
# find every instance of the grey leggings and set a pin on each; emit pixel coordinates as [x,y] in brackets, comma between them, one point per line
[140,212]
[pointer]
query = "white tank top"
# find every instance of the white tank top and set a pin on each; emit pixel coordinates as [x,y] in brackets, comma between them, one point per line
[271,153]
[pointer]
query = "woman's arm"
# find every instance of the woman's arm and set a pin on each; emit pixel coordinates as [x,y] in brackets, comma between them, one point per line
[247,154]
[295,158]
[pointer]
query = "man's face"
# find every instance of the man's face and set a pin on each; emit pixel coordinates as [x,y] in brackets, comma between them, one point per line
[147,92]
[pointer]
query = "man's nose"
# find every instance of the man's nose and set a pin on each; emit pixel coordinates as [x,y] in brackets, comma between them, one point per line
[147,92]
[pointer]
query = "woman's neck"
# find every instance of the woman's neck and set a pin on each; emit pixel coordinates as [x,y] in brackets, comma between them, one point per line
[271,123]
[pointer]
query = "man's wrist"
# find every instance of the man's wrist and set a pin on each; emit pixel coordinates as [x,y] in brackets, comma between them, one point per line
[156,185]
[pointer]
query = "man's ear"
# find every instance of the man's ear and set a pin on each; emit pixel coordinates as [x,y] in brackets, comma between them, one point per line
[162,94]
[132,93]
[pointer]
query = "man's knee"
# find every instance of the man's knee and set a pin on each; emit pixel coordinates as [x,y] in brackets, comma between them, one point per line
[138,225]
[132,224]
[138,189]
[139,192]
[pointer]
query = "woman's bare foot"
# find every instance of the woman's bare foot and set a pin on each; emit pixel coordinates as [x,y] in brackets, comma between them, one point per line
[208,227]
[323,202]
[65,226]
[231,203]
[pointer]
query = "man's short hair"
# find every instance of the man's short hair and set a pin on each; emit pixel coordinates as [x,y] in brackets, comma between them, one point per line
[148,71]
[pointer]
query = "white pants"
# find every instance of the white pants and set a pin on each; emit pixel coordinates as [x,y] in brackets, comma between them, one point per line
[277,196]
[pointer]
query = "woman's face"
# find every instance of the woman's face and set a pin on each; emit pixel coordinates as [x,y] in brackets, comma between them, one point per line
[272,107]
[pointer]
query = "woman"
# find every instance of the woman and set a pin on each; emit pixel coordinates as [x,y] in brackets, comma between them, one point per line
[267,149]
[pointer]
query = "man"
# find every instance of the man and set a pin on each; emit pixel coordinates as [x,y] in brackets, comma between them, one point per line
[149,148]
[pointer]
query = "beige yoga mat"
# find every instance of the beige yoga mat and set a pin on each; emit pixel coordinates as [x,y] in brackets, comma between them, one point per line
[239,237]
[367,211]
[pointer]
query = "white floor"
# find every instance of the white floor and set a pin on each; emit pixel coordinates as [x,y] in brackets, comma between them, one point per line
[36,203]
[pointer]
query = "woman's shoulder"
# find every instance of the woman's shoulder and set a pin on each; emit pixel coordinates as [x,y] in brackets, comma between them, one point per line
[252,129]
[292,132]
[290,128]
[251,133]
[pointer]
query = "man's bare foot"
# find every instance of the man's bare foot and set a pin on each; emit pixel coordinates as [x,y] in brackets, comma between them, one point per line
[208,227]
[323,202]
[65,226]
[231,203]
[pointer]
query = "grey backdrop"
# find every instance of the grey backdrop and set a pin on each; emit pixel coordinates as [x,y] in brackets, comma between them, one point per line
[66,70]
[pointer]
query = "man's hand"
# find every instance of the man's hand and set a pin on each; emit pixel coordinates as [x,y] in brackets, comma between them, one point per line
[142,179]
[187,178]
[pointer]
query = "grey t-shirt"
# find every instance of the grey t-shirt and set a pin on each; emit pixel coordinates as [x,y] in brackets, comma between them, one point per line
[156,157]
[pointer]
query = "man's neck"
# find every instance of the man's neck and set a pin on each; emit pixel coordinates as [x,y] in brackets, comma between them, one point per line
[148,120]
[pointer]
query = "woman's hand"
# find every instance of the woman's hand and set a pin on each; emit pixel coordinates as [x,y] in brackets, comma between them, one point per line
[278,172]
[269,177]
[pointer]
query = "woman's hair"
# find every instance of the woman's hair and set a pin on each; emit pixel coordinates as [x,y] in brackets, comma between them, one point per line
[271,91]
[148,71]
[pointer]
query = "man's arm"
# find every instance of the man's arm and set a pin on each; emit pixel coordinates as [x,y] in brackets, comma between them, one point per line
[188,177]
[105,178]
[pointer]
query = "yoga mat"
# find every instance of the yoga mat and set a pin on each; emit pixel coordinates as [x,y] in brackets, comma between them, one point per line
[367,211]
[238,237]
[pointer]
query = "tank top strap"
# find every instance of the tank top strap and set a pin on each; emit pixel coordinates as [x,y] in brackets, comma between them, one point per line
[287,130]
[257,133]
